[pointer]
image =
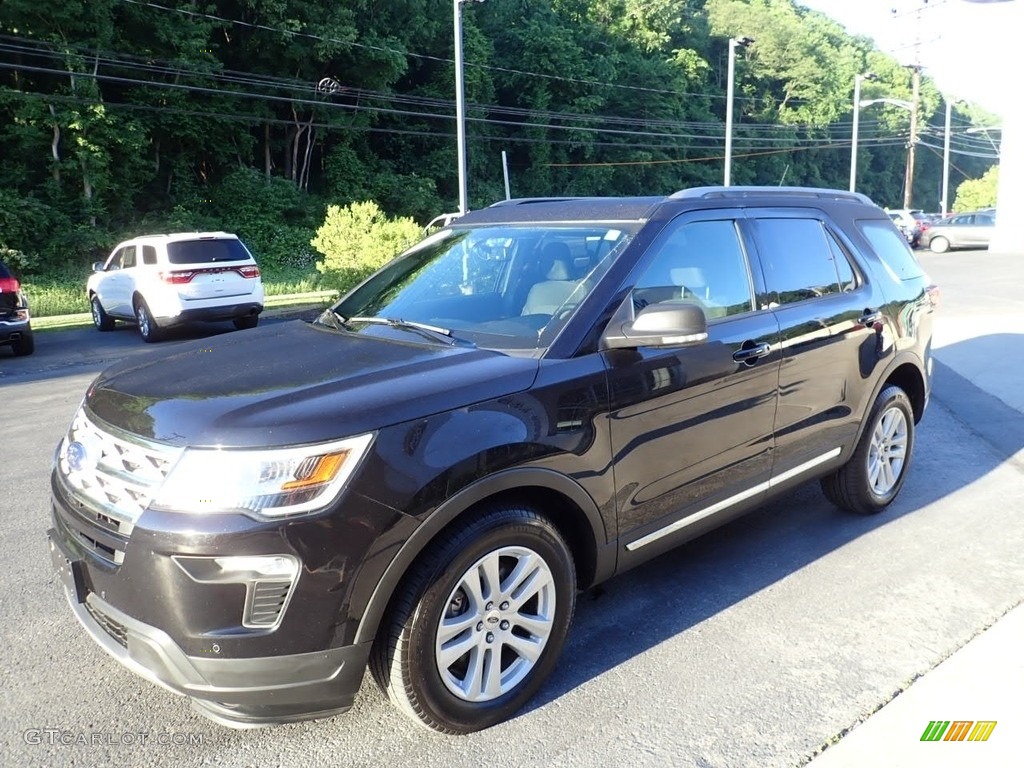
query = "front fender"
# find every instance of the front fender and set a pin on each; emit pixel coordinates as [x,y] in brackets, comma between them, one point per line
[598,557]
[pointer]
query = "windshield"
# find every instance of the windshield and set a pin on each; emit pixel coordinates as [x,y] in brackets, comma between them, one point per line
[498,286]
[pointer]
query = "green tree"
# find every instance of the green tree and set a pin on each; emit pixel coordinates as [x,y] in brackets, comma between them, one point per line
[359,238]
[978,193]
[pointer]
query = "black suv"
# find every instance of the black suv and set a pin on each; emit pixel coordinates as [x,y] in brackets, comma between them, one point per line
[537,397]
[15,322]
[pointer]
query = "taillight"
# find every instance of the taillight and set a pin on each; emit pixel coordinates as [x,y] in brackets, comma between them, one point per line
[250,272]
[11,285]
[178,278]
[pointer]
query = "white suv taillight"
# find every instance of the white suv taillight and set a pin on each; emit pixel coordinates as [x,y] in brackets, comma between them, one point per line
[179,277]
[251,272]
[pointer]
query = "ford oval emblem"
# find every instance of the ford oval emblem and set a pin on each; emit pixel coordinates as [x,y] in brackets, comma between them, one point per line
[78,456]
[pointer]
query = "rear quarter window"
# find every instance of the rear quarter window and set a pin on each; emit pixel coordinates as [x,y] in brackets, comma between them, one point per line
[206,251]
[891,248]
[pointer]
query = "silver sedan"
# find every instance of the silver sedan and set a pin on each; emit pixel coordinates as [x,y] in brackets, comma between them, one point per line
[962,230]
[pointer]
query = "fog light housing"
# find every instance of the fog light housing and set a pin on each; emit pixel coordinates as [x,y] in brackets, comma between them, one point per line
[269,583]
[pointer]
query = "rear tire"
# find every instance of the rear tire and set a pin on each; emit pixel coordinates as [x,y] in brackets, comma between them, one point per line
[100,318]
[246,321]
[26,345]
[874,475]
[148,328]
[939,245]
[479,622]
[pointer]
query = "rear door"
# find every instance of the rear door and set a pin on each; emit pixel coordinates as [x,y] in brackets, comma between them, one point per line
[980,233]
[829,316]
[691,426]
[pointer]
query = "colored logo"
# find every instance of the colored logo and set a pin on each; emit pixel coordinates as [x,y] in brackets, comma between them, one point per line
[958,730]
[78,456]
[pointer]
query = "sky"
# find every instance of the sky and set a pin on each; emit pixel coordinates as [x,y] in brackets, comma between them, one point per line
[973,51]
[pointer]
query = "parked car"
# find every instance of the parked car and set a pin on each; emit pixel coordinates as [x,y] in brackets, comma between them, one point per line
[962,230]
[15,319]
[911,221]
[909,232]
[539,396]
[159,281]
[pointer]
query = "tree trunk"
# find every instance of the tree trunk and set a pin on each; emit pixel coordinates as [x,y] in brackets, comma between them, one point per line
[55,145]
[267,164]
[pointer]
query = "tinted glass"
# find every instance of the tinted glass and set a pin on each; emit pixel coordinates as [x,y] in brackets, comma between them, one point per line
[498,286]
[148,254]
[128,257]
[206,251]
[700,262]
[797,259]
[983,219]
[847,278]
[891,248]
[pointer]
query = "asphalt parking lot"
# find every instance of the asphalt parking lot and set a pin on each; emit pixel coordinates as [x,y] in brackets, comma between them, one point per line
[758,645]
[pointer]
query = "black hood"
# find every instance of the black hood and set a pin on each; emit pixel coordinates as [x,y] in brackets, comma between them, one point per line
[295,383]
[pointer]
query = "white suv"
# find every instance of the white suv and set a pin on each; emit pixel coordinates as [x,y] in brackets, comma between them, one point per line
[158,281]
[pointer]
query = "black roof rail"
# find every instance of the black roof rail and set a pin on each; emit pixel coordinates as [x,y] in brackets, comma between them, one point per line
[529,200]
[708,193]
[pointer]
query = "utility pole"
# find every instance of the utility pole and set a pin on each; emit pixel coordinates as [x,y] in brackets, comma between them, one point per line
[915,99]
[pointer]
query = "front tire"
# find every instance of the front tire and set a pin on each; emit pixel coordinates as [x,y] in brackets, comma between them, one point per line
[939,245]
[479,622]
[874,475]
[148,329]
[100,318]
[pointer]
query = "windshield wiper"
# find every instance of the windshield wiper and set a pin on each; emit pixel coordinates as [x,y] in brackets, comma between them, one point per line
[331,319]
[430,331]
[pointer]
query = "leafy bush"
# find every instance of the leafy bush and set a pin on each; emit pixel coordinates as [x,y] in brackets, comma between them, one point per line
[358,239]
[978,193]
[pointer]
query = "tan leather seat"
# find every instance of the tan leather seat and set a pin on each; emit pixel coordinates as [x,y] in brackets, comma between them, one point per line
[549,296]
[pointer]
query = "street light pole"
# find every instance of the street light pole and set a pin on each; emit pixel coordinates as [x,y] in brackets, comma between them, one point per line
[908,182]
[460,106]
[730,86]
[945,159]
[856,125]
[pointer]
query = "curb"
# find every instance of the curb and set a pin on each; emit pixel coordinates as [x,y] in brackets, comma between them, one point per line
[271,305]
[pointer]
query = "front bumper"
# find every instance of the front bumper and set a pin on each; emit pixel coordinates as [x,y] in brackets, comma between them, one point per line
[236,692]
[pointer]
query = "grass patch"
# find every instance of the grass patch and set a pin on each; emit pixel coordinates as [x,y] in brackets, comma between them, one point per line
[64,294]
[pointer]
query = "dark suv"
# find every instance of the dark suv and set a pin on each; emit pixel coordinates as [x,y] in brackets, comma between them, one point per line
[15,322]
[537,397]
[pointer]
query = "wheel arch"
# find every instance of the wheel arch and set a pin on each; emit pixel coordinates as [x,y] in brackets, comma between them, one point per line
[563,501]
[908,376]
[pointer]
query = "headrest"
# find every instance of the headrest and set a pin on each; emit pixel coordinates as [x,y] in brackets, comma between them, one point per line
[559,270]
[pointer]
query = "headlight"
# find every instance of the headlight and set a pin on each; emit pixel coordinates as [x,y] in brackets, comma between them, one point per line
[269,483]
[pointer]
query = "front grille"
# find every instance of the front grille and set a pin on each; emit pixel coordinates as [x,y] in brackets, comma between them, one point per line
[111,555]
[113,473]
[115,629]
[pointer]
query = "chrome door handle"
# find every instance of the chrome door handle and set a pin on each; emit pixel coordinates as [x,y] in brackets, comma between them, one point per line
[752,353]
[870,318]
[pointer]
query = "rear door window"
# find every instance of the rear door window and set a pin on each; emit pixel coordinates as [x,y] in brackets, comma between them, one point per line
[800,260]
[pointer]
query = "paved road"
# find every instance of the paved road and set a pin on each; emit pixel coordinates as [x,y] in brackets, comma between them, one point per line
[754,646]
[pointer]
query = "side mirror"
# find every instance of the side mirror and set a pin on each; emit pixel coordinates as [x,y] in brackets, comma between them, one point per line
[667,324]
[97,266]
